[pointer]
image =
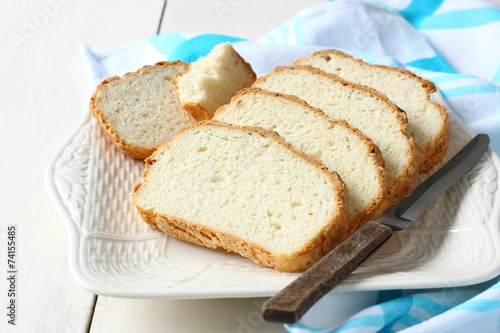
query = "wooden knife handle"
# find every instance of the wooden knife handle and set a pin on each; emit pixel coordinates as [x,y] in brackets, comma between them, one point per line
[291,303]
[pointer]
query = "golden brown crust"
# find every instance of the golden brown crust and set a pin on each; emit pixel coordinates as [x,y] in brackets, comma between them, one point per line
[207,237]
[196,110]
[128,148]
[332,234]
[432,152]
[397,188]
[378,206]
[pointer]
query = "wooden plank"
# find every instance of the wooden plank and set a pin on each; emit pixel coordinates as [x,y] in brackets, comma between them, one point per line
[245,19]
[44,88]
[209,315]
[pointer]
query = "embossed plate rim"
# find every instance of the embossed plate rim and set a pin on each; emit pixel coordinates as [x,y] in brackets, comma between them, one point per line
[78,260]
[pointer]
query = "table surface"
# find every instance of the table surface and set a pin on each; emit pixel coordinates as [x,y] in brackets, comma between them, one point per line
[44,87]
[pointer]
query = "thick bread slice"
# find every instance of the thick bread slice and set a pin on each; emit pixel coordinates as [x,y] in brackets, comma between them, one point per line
[246,190]
[139,111]
[213,80]
[340,147]
[363,108]
[427,120]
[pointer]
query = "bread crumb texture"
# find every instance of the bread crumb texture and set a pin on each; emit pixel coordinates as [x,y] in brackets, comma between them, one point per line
[340,147]
[213,80]
[363,108]
[242,185]
[141,109]
[427,120]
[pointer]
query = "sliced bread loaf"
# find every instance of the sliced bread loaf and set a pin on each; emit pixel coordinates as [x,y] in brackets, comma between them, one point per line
[340,147]
[212,80]
[139,111]
[246,190]
[427,120]
[363,108]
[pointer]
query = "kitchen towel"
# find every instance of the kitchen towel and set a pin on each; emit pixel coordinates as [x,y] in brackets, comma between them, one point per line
[453,43]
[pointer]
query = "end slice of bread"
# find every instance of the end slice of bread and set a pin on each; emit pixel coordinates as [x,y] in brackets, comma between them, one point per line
[363,108]
[337,145]
[213,80]
[427,120]
[140,110]
[244,189]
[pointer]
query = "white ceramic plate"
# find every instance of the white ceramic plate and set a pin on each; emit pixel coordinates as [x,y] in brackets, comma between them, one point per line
[112,252]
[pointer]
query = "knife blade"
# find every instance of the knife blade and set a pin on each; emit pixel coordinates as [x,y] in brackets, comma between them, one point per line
[411,207]
[291,303]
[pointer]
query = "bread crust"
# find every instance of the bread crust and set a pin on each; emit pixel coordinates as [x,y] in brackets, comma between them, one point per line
[397,188]
[128,148]
[332,234]
[196,110]
[377,207]
[433,151]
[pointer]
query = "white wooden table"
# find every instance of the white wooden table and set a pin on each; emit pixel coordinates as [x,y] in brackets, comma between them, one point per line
[43,87]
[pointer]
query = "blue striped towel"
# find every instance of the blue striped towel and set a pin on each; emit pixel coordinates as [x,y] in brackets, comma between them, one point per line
[454,43]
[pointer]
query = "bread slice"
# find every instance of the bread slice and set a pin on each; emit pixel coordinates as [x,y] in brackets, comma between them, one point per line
[246,190]
[363,108]
[427,120]
[213,80]
[337,145]
[139,111]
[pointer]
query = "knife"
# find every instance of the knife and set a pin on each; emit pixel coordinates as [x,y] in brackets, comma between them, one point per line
[291,303]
